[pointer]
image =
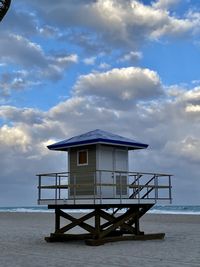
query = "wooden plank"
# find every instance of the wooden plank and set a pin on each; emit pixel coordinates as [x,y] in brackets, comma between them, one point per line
[101,206]
[98,242]
[55,237]
[53,186]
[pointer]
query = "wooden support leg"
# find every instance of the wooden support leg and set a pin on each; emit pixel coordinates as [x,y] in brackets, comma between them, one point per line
[97,223]
[137,224]
[57,220]
[113,227]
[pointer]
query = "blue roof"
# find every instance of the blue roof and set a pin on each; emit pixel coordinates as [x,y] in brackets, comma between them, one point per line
[97,137]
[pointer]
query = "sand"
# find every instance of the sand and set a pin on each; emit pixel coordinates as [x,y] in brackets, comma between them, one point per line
[22,244]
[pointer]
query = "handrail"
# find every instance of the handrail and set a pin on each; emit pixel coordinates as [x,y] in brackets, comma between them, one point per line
[108,171]
[98,186]
[139,189]
[52,174]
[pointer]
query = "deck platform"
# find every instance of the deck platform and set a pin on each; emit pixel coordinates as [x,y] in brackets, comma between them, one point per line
[105,219]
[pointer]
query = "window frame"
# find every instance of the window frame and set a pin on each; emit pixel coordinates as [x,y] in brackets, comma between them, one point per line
[82,164]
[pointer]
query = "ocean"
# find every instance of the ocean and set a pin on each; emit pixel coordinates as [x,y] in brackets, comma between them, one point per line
[157,209]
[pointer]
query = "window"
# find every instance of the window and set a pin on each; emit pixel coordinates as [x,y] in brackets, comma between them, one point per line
[82,157]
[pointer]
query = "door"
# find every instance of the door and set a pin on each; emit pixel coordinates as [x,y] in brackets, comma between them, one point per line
[121,178]
[105,175]
[113,163]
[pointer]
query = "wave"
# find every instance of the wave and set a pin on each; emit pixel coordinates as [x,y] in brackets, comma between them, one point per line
[25,209]
[186,210]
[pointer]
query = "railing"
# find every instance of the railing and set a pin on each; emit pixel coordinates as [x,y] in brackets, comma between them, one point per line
[100,185]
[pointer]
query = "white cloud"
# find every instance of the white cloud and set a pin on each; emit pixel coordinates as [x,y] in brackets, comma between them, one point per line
[165,4]
[117,23]
[17,81]
[14,138]
[19,50]
[104,65]
[191,95]
[131,56]
[120,87]
[29,116]
[187,148]
[193,108]
[48,31]
[36,65]
[89,60]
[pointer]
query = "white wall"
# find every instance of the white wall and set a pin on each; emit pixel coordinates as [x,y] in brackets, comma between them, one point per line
[110,159]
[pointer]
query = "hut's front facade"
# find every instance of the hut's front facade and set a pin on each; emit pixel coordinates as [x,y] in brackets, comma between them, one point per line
[92,165]
[98,178]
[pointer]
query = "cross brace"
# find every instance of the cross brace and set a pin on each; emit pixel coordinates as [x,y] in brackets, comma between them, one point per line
[102,226]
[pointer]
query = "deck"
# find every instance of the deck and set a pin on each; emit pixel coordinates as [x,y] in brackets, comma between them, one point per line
[131,193]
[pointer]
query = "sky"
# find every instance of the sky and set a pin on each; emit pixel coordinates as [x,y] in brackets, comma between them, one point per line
[125,66]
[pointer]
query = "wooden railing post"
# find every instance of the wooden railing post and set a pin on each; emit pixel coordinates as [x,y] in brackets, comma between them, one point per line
[74,189]
[138,182]
[59,187]
[56,192]
[100,187]
[170,187]
[157,195]
[120,182]
[39,187]
[94,184]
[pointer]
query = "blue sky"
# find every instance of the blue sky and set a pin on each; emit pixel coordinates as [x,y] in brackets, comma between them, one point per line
[129,67]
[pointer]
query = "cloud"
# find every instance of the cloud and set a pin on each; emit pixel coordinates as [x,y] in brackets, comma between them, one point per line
[187,149]
[21,21]
[193,108]
[18,50]
[119,24]
[33,65]
[104,66]
[15,81]
[132,56]
[89,60]
[14,137]
[26,115]
[165,4]
[122,87]
[191,95]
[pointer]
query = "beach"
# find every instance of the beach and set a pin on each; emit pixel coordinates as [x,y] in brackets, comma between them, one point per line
[22,244]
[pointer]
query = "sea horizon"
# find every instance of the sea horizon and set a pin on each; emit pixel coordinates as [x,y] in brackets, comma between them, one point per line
[157,209]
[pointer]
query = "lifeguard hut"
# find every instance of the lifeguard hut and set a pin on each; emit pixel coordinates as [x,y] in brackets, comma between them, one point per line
[98,181]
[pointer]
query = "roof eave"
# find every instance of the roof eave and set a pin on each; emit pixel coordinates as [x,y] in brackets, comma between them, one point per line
[65,147]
